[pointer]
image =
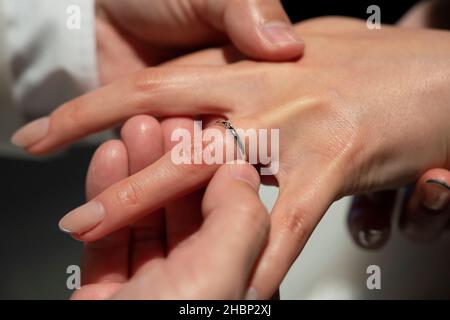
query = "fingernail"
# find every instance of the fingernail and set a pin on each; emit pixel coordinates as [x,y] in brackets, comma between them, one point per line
[240,170]
[279,32]
[82,219]
[251,294]
[371,238]
[436,195]
[31,133]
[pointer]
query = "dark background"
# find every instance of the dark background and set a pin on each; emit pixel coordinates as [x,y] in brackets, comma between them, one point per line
[34,254]
[391,10]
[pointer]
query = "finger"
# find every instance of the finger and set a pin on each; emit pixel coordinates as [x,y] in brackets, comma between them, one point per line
[183,216]
[260,29]
[221,255]
[106,260]
[143,139]
[303,199]
[234,232]
[167,91]
[370,218]
[427,213]
[179,172]
[331,25]
[108,165]
[212,57]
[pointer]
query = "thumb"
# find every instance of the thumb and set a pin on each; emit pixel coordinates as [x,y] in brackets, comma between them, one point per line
[426,215]
[259,28]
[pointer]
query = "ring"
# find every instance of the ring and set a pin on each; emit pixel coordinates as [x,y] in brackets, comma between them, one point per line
[229,126]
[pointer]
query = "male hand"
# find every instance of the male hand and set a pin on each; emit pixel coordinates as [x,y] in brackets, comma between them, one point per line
[202,246]
[135,34]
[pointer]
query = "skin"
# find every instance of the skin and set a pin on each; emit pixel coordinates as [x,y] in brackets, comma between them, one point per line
[371,215]
[128,39]
[129,36]
[426,216]
[348,114]
[162,264]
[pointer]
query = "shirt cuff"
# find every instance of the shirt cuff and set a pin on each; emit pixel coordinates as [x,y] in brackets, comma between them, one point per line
[52,52]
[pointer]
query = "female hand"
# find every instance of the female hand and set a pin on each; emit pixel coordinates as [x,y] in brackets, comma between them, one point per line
[424,214]
[134,34]
[425,211]
[353,115]
[171,253]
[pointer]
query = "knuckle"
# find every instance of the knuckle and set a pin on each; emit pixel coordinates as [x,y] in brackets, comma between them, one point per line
[147,80]
[129,194]
[197,160]
[295,223]
[193,169]
[67,117]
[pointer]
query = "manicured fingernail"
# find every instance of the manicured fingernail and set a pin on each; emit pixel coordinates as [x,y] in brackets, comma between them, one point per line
[32,133]
[371,238]
[83,219]
[280,33]
[244,172]
[436,195]
[251,294]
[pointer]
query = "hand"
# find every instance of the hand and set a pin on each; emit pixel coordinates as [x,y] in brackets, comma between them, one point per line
[134,34]
[425,213]
[173,253]
[349,114]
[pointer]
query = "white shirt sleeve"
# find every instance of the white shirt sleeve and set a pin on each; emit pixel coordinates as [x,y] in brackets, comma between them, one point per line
[51,51]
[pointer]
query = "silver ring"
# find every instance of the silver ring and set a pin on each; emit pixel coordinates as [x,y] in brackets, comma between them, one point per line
[229,126]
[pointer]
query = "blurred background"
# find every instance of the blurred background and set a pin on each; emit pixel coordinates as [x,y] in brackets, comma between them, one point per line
[35,193]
